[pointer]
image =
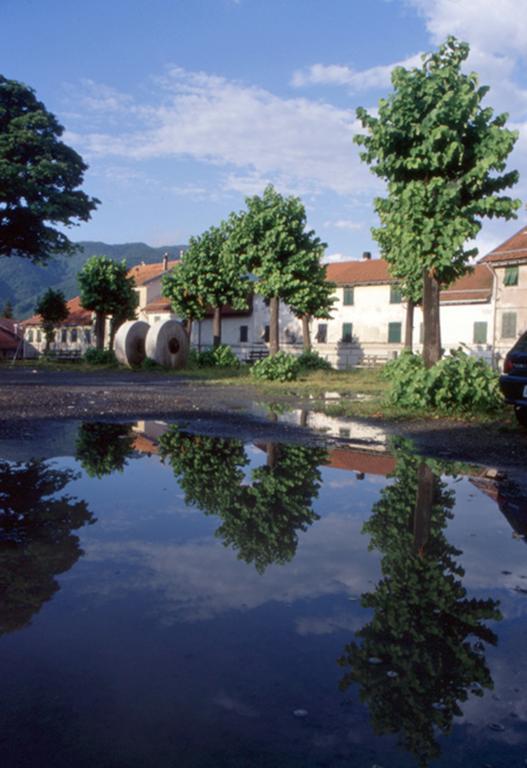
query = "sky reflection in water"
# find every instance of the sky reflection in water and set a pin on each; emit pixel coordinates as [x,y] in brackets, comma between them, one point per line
[170,599]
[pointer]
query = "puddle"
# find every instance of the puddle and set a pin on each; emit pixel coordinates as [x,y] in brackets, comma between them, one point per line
[169,598]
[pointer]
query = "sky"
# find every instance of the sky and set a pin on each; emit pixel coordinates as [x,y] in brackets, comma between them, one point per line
[182,108]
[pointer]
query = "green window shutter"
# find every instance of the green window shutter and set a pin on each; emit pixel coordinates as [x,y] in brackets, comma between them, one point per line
[322,333]
[347,332]
[394,333]
[480,333]
[508,325]
[348,296]
[396,296]
[511,276]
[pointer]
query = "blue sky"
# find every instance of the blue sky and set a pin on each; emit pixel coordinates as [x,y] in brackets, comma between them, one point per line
[181,108]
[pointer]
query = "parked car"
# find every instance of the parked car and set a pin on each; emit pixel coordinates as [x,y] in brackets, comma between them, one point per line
[513,382]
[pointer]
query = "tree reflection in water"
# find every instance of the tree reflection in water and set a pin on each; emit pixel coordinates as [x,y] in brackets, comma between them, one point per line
[422,652]
[36,539]
[103,448]
[260,519]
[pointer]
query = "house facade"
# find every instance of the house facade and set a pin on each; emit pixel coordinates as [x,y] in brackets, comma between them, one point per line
[11,339]
[72,337]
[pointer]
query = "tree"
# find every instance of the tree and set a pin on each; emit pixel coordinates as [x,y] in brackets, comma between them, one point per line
[443,156]
[272,238]
[103,448]
[422,652]
[212,277]
[39,178]
[52,309]
[36,537]
[313,295]
[7,311]
[106,289]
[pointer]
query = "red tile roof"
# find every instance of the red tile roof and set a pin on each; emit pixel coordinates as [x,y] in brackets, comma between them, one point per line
[513,249]
[77,315]
[8,339]
[361,461]
[475,286]
[143,273]
[363,272]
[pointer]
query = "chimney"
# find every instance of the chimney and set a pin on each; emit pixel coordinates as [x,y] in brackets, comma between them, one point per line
[366,256]
[165,262]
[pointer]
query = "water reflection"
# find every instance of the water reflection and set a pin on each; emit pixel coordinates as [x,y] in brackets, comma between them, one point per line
[103,448]
[36,539]
[423,650]
[261,518]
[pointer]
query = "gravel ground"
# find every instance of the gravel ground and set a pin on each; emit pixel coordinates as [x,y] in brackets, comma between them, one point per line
[36,396]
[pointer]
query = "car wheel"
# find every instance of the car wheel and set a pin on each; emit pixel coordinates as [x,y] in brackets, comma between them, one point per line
[521,415]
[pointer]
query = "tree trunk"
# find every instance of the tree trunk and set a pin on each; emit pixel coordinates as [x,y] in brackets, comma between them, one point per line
[431,326]
[188,326]
[274,308]
[409,328]
[272,454]
[100,322]
[423,507]
[216,327]
[306,333]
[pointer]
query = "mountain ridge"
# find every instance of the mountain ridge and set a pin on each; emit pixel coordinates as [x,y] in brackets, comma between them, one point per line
[22,282]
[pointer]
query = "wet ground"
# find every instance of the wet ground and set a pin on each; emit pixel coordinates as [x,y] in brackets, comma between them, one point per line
[283,590]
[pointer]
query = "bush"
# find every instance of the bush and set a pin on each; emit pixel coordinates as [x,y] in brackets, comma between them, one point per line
[150,365]
[456,384]
[311,361]
[279,367]
[221,357]
[100,356]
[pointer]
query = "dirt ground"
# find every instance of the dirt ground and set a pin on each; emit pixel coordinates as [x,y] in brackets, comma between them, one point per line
[35,396]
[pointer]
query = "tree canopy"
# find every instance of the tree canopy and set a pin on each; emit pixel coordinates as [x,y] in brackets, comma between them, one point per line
[53,310]
[443,156]
[106,289]
[40,178]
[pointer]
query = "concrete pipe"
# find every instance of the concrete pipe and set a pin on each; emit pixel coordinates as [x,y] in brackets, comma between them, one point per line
[167,343]
[129,343]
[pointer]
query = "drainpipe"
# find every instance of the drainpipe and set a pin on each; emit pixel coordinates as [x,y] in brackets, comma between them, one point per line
[494,318]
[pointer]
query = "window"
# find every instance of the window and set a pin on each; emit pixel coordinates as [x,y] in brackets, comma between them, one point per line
[30,336]
[421,333]
[508,325]
[480,333]
[244,333]
[394,333]
[73,335]
[347,333]
[64,336]
[511,276]
[344,432]
[39,336]
[395,294]
[87,337]
[322,333]
[266,334]
[157,318]
[348,296]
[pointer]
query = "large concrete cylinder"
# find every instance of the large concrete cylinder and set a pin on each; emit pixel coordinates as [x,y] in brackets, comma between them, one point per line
[129,343]
[167,343]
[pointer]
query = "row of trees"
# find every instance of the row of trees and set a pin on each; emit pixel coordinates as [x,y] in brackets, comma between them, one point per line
[266,249]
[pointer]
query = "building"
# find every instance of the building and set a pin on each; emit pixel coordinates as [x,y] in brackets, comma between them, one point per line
[72,337]
[11,339]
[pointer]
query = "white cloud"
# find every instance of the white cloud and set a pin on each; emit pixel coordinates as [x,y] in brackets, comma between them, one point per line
[303,143]
[345,224]
[355,79]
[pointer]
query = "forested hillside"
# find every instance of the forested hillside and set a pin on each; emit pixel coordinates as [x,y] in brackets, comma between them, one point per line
[22,282]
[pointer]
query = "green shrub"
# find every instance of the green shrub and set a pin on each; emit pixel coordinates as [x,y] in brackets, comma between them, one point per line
[150,365]
[279,367]
[312,361]
[221,357]
[100,356]
[458,383]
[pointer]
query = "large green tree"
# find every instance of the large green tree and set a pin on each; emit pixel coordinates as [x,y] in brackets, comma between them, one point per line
[310,295]
[106,289]
[102,449]
[39,178]
[210,276]
[443,156]
[53,310]
[272,239]
[422,652]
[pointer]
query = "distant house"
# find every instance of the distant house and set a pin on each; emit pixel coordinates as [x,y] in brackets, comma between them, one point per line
[72,337]
[508,263]
[10,339]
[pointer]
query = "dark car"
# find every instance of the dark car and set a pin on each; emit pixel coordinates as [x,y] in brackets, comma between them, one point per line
[513,382]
